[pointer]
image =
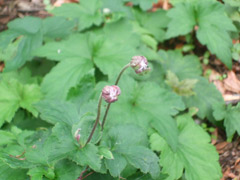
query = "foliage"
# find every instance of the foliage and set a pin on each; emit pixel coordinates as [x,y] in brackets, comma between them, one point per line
[55,69]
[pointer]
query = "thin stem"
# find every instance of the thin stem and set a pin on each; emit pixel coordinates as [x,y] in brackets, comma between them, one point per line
[97,119]
[109,104]
[121,72]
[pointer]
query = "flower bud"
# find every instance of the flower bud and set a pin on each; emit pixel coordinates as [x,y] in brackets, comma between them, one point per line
[77,135]
[110,93]
[140,64]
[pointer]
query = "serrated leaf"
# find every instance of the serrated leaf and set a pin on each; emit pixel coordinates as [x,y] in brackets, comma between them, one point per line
[87,12]
[80,53]
[147,103]
[105,152]
[231,115]
[65,169]
[37,173]
[153,22]
[193,147]
[15,95]
[87,155]
[6,137]
[143,158]
[58,112]
[65,75]
[206,96]
[57,27]
[184,67]
[131,148]
[8,173]
[213,26]
[29,39]
[116,165]
[182,20]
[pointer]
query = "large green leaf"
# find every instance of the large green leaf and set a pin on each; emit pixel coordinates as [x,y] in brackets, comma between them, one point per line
[194,153]
[66,169]
[130,149]
[213,26]
[87,156]
[13,95]
[153,23]
[144,104]
[87,12]
[205,98]
[58,112]
[182,20]
[8,173]
[231,115]
[65,75]
[184,67]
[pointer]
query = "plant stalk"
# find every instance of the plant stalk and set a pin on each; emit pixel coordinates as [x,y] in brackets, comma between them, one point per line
[109,104]
[97,119]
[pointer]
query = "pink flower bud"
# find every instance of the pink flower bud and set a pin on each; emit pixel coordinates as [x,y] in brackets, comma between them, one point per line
[77,135]
[139,64]
[110,93]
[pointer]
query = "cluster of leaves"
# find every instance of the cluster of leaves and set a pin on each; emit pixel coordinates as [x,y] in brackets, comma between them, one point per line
[56,67]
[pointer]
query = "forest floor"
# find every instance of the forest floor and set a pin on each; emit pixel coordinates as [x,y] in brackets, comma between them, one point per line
[226,81]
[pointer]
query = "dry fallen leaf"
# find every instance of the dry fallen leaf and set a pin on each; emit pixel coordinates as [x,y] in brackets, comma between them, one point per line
[231,83]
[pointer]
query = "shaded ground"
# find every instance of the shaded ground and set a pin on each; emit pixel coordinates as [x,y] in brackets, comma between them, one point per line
[227,82]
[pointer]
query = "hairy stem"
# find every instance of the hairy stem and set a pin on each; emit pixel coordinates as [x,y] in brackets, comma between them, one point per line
[97,119]
[109,104]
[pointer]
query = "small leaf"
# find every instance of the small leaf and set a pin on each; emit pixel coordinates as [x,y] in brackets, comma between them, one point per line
[105,152]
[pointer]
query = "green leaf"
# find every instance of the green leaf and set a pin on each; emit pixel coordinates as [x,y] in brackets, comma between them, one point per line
[8,173]
[64,76]
[230,114]
[66,169]
[182,88]
[15,95]
[213,26]
[37,173]
[143,158]
[144,5]
[105,152]
[184,67]
[126,145]
[144,104]
[153,23]
[6,137]
[205,98]
[194,154]
[116,165]
[79,53]
[182,20]
[87,155]
[26,25]
[87,13]
[58,112]
[30,38]
[57,27]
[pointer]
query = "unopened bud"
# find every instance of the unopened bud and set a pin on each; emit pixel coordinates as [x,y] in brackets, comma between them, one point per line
[140,64]
[77,134]
[110,93]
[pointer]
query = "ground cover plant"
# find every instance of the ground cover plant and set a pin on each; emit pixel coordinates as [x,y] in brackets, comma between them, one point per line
[98,90]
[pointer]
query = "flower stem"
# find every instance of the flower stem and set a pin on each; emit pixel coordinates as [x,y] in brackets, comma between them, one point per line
[97,119]
[116,83]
